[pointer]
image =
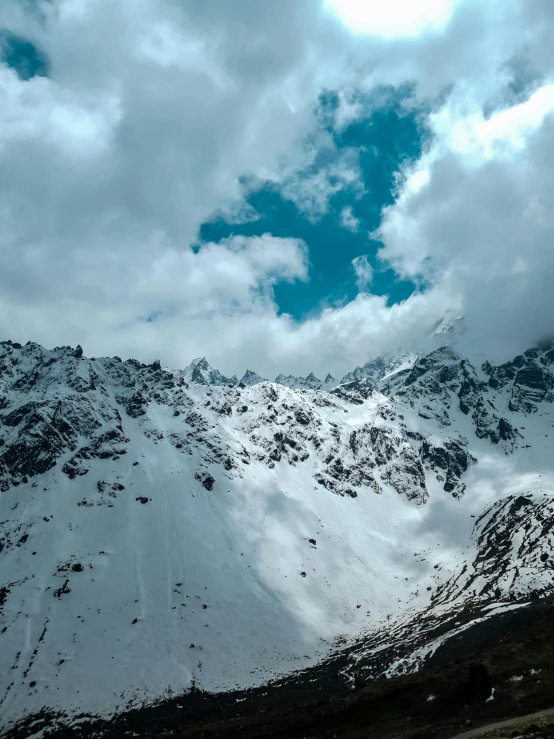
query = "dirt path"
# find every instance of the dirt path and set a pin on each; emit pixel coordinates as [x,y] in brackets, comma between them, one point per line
[508,724]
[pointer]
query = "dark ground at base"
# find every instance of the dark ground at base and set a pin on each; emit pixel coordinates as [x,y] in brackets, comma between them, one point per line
[510,644]
[316,704]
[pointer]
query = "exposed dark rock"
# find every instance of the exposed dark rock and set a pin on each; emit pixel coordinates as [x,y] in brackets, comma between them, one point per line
[4,592]
[207,481]
[63,590]
[136,405]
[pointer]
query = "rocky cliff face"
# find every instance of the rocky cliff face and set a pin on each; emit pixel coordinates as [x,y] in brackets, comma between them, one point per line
[160,529]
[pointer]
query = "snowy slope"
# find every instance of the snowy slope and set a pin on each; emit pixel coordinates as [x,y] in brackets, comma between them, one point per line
[160,529]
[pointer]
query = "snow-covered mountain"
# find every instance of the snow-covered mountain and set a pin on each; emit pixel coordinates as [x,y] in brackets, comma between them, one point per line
[161,529]
[450,327]
[446,332]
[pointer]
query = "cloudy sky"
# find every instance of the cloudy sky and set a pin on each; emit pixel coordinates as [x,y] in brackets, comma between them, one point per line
[286,185]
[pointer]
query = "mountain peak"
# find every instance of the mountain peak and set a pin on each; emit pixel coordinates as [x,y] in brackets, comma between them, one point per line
[450,327]
[200,372]
[251,378]
[200,362]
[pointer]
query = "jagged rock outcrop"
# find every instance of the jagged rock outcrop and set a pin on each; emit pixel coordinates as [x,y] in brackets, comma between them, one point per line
[529,378]
[200,372]
[251,378]
[311,382]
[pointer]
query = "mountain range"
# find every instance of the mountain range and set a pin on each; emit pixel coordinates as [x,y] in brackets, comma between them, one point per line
[169,530]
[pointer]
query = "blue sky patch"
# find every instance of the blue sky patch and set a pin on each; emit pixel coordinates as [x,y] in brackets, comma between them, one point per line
[22,56]
[384,140]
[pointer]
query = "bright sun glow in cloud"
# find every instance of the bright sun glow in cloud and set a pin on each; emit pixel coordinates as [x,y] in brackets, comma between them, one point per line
[393,18]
